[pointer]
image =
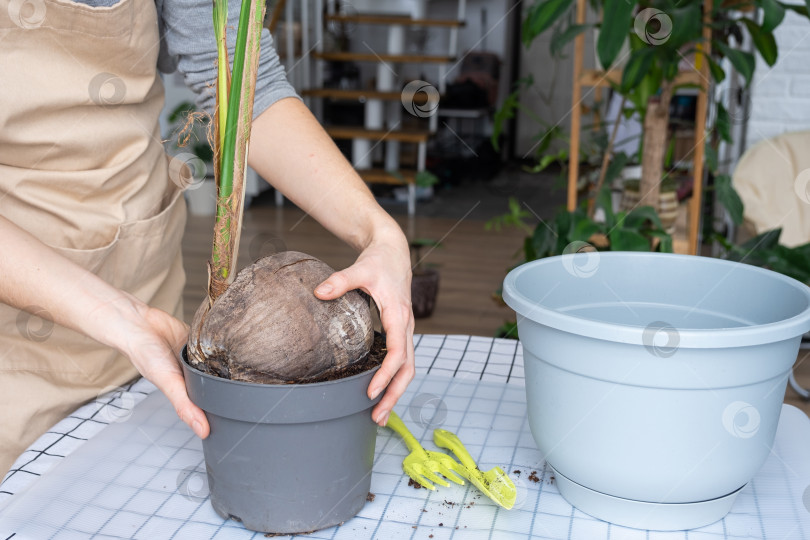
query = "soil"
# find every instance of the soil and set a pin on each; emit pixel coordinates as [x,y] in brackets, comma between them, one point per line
[533,477]
[370,497]
[414,485]
[373,359]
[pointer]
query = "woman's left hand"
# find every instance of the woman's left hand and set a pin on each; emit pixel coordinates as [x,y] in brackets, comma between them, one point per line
[383,270]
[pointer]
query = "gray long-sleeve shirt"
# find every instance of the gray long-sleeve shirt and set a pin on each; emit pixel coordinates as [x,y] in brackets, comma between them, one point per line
[188,45]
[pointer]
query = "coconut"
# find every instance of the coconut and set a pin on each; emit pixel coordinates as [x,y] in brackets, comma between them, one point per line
[269,327]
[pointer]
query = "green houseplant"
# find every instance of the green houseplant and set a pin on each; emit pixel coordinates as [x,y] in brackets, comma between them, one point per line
[639,229]
[660,35]
[764,250]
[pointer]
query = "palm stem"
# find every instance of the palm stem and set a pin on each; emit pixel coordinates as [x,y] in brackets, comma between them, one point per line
[220,22]
[235,110]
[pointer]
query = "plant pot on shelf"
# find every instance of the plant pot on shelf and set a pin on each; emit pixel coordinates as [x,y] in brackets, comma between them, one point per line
[424,289]
[667,201]
[286,458]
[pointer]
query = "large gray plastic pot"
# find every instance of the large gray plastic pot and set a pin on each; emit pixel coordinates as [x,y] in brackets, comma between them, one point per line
[654,382]
[286,458]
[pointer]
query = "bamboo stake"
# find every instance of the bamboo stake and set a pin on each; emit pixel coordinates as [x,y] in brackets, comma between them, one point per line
[576,96]
[695,204]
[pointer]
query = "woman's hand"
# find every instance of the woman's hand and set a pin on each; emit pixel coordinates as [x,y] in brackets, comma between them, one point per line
[152,340]
[383,270]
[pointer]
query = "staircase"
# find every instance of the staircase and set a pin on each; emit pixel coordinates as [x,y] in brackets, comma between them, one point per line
[383,126]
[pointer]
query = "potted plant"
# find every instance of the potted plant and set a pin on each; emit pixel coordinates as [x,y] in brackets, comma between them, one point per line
[280,375]
[425,280]
[192,162]
[661,36]
[667,200]
[639,229]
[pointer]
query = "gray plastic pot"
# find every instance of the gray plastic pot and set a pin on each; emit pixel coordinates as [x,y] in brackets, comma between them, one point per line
[286,458]
[654,382]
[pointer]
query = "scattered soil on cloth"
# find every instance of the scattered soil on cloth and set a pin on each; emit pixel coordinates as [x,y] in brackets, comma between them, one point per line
[533,477]
[370,497]
[414,485]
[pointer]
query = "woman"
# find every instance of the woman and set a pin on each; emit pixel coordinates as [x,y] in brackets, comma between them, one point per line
[91,222]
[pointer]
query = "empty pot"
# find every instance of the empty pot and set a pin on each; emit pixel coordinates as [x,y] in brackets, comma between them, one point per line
[654,381]
[286,458]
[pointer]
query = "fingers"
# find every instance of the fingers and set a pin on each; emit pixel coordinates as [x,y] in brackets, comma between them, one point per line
[378,273]
[174,387]
[338,284]
[395,390]
[156,355]
[397,369]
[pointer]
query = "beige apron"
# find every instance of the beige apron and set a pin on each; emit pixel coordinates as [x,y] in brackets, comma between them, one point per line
[83,169]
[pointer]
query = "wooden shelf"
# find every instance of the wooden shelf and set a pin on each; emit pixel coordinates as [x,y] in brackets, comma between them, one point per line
[394,19]
[393,58]
[352,132]
[418,98]
[596,78]
[381,176]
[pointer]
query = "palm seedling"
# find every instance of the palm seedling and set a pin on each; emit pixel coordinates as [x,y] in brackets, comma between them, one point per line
[264,324]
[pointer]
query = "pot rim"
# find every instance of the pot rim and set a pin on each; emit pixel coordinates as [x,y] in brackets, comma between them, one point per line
[709,338]
[184,360]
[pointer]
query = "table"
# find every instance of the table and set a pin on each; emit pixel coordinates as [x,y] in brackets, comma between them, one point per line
[153,485]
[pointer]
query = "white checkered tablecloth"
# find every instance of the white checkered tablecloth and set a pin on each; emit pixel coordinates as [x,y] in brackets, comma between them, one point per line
[144,486]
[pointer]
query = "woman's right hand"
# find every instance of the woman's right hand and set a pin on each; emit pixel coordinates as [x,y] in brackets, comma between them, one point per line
[74,297]
[152,340]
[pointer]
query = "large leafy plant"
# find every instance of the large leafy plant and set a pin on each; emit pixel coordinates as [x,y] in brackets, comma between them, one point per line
[637,230]
[764,250]
[659,36]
